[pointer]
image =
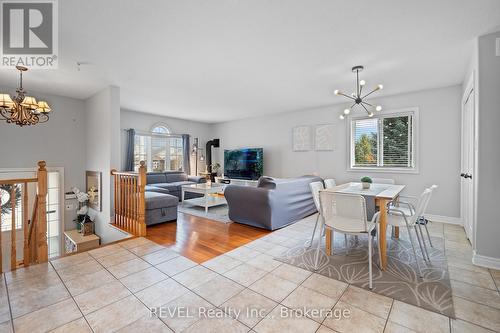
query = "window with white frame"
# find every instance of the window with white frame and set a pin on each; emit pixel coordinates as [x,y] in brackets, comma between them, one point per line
[161,150]
[385,141]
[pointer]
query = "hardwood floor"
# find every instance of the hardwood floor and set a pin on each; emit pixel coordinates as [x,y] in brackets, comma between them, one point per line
[201,239]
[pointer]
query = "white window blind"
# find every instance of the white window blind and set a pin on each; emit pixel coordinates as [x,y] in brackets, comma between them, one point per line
[385,141]
[162,152]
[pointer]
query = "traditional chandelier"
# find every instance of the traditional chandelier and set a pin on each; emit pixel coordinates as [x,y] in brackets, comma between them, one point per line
[357,96]
[23,110]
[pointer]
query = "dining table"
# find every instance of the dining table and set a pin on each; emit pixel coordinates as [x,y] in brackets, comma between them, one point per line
[382,195]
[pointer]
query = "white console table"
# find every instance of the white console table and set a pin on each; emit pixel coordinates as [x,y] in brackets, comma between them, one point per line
[241,182]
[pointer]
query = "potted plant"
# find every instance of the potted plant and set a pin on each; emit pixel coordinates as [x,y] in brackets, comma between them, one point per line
[215,171]
[366,181]
[81,213]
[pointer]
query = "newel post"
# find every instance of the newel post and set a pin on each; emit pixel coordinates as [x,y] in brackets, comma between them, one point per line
[142,199]
[42,254]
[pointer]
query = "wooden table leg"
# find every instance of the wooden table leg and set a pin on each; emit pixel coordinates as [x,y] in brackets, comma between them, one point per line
[383,232]
[328,241]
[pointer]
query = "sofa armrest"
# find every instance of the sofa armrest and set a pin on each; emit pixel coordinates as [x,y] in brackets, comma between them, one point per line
[249,205]
[197,179]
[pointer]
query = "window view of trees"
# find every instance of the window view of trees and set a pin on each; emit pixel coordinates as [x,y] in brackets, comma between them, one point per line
[394,136]
[366,142]
[397,141]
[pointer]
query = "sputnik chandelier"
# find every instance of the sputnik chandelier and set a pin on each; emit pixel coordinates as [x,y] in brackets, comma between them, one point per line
[23,110]
[357,97]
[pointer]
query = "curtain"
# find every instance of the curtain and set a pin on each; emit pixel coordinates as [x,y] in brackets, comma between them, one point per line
[186,165]
[129,157]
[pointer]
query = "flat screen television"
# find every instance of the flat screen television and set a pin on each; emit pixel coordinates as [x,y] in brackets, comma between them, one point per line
[247,163]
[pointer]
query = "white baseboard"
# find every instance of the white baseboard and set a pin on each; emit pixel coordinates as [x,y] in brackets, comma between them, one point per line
[444,219]
[485,261]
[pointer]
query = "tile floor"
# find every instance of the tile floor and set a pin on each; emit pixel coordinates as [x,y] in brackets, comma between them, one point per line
[113,288]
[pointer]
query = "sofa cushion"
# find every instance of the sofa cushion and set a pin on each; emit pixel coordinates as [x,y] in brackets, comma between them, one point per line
[152,188]
[175,177]
[181,183]
[155,200]
[156,177]
[168,186]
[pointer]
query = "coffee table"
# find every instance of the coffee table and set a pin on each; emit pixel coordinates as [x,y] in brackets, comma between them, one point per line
[208,190]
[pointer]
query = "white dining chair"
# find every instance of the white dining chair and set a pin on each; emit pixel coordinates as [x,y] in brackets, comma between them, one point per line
[346,213]
[398,217]
[316,187]
[383,181]
[423,220]
[330,183]
[407,205]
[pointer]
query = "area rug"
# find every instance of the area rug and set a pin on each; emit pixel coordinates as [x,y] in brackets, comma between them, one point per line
[216,213]
[400,281]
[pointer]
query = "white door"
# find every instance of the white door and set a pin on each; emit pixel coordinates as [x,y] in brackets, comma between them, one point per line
[467,168]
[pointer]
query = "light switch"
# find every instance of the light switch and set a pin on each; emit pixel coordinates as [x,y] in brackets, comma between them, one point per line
[497,52]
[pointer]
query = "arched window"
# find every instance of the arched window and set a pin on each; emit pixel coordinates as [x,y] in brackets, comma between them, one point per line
[160,128]
[162,150]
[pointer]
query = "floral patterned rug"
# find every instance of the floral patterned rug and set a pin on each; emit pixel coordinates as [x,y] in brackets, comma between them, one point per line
[400,281]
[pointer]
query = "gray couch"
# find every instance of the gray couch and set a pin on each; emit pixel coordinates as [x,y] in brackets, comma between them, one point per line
[170,182]
[273,204]
[163,192]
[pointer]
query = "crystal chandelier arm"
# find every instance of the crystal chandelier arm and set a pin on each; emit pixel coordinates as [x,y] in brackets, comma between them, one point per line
[42,117]
[5,113]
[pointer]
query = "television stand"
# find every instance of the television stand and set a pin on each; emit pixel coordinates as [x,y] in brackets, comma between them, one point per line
[233,181]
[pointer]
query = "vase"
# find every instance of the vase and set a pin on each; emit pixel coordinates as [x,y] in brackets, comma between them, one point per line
[366,185]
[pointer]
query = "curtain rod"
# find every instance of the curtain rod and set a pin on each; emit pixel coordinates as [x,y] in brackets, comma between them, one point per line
[154,134]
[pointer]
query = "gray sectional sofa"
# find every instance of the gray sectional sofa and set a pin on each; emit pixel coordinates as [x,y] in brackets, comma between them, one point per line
[163,192]
[170,182]
[273,204]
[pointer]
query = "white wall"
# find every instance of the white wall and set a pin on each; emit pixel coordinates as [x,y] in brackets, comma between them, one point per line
[438,139]
[102,141]
[144,122]
[60,142]
[487,178]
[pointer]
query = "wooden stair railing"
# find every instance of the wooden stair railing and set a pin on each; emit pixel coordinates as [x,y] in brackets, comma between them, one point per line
[129,200]
[35,247]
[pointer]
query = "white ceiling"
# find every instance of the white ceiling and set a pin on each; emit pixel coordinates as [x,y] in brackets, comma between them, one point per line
[228,59]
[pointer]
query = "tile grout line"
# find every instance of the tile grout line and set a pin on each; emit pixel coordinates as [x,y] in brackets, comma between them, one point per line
[470,321]
[388,315]
[8,302]
[132,293]
[65,287]
[494,281]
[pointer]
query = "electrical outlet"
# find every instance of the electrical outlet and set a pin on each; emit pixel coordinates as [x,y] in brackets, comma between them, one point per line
[497,49]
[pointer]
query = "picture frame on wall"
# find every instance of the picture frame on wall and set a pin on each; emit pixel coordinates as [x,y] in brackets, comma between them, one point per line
[301,138]
[93,186]
[324,139]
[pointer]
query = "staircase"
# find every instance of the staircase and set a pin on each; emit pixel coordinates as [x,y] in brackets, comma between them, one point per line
[34,230]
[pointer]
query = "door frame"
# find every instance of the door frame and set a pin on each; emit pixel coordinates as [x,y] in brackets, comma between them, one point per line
[470,88]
